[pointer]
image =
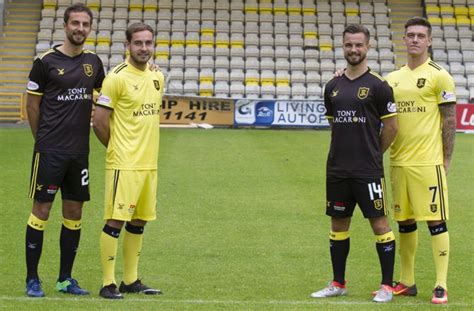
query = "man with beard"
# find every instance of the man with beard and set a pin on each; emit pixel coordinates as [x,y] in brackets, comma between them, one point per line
[59,105]
[357,104]
[126,121]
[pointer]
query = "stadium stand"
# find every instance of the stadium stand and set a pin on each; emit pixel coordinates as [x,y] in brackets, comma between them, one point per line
[453,45]
[268,49]
[262,41]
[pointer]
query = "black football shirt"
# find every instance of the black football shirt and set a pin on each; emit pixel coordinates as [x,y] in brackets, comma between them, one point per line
[356,108]
[66,85]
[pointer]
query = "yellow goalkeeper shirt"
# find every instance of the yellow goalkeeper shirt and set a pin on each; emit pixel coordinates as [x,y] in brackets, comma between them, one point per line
[135,97]
[418,93]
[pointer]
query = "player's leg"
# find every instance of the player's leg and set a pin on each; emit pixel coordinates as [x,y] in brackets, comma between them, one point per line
[429,196]
[132,247]
[340,206]
[440,247]
[370,194]
[339,245]
[408,234]
[46,176]
[121,195]
[385,245]
[439,213]
[108,256]
[74,192]
[34,246]
[145,210]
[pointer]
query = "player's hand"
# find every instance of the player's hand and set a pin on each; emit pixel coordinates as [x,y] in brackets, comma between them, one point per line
[339,72]
[446,167]
[154,67]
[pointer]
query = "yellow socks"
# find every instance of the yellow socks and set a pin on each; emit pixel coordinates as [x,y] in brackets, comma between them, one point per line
[108,253]
[440,248]
[408,245]
[132,245]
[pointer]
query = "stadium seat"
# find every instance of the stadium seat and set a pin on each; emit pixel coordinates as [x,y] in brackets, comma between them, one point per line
[298,91]
[237,89]
[190,88]
[221,89]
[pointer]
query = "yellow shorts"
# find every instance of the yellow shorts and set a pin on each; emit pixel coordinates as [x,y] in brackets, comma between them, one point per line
[419,192]
[130,195]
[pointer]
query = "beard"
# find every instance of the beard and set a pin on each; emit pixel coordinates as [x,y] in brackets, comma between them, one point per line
[72,39]
[357,61]
[138,59]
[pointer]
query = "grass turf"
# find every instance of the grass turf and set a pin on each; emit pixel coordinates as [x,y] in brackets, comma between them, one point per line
[241,226]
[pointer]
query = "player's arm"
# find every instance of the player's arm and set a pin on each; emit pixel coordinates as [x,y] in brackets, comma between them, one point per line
[34,93]
[100,124]
[389,132]
[327,103]
[448,128]
[33,111]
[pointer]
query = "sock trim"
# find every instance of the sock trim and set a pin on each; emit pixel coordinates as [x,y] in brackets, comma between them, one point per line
[134,229]
[36,223]
[339,236]
[113,232]
[72,224]
[385,238]
[407,228]
[438,229]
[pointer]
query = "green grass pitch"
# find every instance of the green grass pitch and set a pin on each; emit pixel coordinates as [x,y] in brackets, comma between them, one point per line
[241,227]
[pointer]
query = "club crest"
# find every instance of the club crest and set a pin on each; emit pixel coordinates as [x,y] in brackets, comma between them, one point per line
[88,69]
[421,83]
[363,92]
[157,84]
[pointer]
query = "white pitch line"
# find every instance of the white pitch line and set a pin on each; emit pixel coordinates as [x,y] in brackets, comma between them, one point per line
[231,302]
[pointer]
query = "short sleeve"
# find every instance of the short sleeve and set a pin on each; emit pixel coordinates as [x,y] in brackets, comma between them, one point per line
[100,75]
[386,106]
[327,100]
[110,92]
[38,78]
[445,88]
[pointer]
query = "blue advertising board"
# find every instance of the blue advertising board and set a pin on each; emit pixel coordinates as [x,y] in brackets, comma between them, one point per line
[280,113]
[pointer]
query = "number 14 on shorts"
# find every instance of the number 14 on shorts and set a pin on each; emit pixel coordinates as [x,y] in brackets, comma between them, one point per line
[375,189]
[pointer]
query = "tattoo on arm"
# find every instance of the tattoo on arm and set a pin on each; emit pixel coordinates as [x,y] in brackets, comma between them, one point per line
[448,114]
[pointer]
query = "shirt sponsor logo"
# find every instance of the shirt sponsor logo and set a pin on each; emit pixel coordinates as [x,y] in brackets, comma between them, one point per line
[75,94]
[348,116]
[148,109]
[391,107]
[448,96]
[363,92]
[409,106]
[32,86]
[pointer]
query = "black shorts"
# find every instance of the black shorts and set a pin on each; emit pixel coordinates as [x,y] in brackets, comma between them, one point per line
[342,194]
[53,171]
